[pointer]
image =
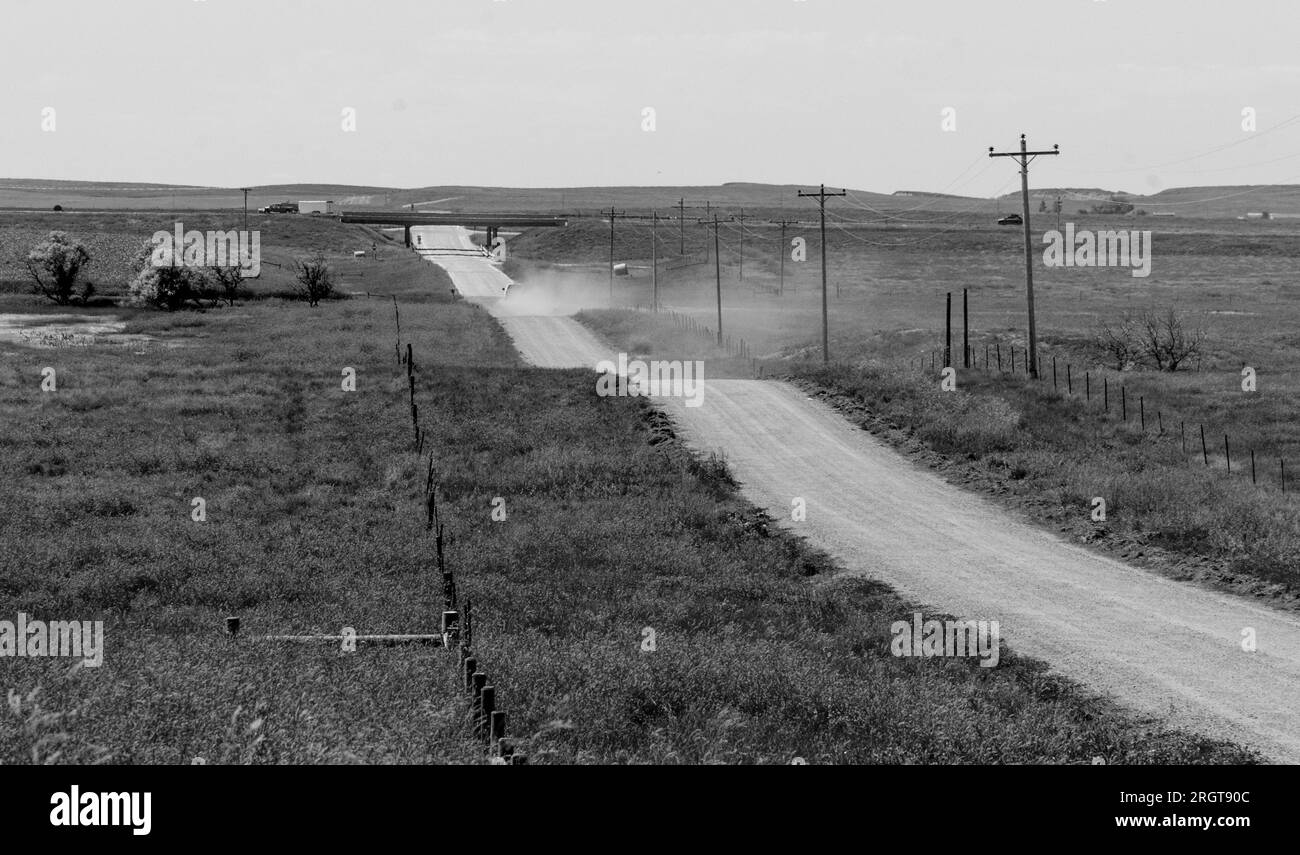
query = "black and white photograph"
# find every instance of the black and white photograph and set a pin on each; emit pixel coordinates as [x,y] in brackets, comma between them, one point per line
[650,383]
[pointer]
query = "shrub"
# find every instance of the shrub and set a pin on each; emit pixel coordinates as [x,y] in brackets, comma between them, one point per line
[164,287]
[1163,340]
[61,259]
[227,279]
[315,280]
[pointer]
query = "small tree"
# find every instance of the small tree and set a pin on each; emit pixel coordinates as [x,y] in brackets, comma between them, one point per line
[227,279]
[1166,341]
[315,280]
[1118,340]
[164,287]
[61,259]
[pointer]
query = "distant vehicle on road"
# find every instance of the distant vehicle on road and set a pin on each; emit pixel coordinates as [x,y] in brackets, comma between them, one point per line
[280,208]
[321,207]
[1011,220]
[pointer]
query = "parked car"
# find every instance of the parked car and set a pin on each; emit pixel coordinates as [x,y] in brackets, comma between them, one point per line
[1011,220]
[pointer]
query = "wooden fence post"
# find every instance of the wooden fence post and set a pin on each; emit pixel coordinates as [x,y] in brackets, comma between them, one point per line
[1142,411]
[470,666]
[998,345]
[497,727]
[1069,380]
[1252,467]
[1227,453]
[487,705]
[1053,371]
[1123,402]
[1205,455]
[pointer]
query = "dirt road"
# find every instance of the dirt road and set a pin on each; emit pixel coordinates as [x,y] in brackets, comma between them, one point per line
[548,341]
[1159,646]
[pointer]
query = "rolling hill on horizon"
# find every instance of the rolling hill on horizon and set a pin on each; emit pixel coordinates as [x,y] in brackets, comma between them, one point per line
[1200,201]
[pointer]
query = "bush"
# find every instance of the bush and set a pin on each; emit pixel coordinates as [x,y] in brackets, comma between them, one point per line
[1162,340]
[61,259]
[227,279]
[164,287]
[315,280]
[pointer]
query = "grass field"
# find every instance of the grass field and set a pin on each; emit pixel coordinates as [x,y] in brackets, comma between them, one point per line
[313,523]
[113,240]
[1049,451]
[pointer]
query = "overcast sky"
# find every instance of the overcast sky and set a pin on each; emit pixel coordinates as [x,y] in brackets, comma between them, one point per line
[552,92]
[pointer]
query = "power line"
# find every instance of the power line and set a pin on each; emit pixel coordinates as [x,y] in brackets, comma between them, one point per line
[821,195]
[717,270]
[612,215]
[784,223]
[741,270]
[1024,157]
[1206,153]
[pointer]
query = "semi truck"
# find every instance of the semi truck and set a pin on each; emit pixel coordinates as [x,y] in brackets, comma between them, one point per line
[321,207]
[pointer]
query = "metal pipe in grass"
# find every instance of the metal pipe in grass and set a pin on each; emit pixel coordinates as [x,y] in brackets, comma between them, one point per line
[385,639]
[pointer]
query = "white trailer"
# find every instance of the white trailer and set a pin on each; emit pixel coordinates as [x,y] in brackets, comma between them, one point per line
[318,207]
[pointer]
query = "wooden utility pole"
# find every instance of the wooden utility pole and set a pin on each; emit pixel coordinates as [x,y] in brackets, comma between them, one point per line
[965,331]
[1024,157]
[707,215]
[681,226]
[717,270]
[612,214]
[821,195]
[742,245]
[654,261]
[784,249]
[947,340]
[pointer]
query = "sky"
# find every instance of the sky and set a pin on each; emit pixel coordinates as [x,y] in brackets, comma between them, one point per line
[1141,95]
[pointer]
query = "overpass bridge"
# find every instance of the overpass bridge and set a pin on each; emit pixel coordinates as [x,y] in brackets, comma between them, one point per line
[483,220]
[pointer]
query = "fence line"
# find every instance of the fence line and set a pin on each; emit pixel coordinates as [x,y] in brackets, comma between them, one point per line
[919,364]
[487,723]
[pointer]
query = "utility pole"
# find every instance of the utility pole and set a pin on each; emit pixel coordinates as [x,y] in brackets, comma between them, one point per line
[612,214]
[742,245]
[245,189]
[965,331]
[947,341]
[1024,157]
[654,261]
[784,247]
[821,195]
[707,213]
[717,272]
[681,226]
